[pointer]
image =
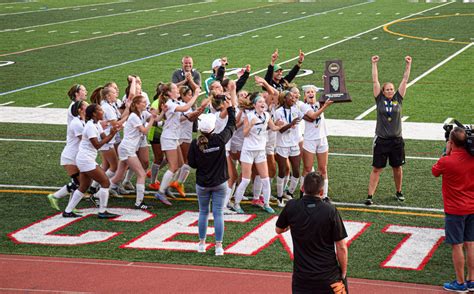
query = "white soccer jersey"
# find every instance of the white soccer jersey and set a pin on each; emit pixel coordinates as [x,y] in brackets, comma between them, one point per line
[110,113]
[69,113]
[74,130]
[220,122]
[131,134]
[171,128]
[291,136]
[87,151]
[238,136]
[186,132]
[317,129]
[256,139]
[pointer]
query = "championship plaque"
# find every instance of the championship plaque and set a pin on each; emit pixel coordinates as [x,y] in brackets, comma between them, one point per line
[334,83]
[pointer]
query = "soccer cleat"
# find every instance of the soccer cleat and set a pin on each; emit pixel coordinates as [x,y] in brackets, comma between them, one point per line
[53,201]
[162,198]
[178,187]
[287,195]
[238,209]
[257,203]
[128,186]
[71,214]
[470,285]
[369,200]
[399,196]
[143,206]
[154,186]
[201,248]
[454,286]
[268,209]
[227,211]
[219,251]
[169,193]
[95,201]
[106,214]
[280,202]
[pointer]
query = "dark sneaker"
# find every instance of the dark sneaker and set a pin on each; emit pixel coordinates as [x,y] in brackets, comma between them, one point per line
[169,193]
[454,286]
[71,214]
[470,285]
[106,214]
[287,195]
[95,201]
[400,196]
[369,201]
[92,190]
[162,198]
[143,206]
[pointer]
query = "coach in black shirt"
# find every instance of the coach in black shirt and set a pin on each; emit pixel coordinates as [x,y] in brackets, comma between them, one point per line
[316,228]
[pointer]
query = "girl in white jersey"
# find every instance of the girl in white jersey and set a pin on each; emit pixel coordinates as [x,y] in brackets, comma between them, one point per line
[132,136]
[68,156]
[76,93]
[170,135]
[255,127]
[315,135]
[287,143]
[93,137]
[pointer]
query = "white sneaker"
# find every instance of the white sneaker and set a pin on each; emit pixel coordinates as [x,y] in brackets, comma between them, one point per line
[128,186]
[219,251]
[201,248]
[245,198]
[228,211]
[281,203]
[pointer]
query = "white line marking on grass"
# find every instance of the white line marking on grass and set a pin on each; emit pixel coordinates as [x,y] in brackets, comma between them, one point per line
[200,44]
[127,10]
[60,8]
[452,39]
[359,13]
[250,12]
[267,12]
[32,141]
[74,32]
[76,9]
[214,11]
[93,9]
[111,9]
[304,12]
[196,11]
[97,17]
[44,105]
[50,32]
[141,34]
[457,13]
[95,33]
[285,12]
[209,35]
[326,37]
[179,11]
[375,38]
[162,10]
[10,3]
[185,35]
[29,31]
[404,118]
[448,120]
[278,37]
[398,13]
[301,37]
[341,13]
[399,39]
[164,34]
[255,36]
[378,13]
[437,13]
[7,103]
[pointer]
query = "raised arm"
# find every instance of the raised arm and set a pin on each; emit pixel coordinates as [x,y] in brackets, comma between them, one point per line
[402,89]
[375,75]
[269,74]
[188,105]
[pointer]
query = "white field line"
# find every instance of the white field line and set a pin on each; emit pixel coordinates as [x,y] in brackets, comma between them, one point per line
[44,105]
[10,3]
[31,140]
[97,17]
[184,48]
[365,113]
[7,103]
[404,118]
[60,8]
[448,120]
[409,208]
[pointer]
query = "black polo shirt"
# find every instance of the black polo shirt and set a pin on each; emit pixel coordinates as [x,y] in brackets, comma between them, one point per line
[314,225]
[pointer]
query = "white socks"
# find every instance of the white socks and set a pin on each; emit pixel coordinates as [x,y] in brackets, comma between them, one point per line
[257,187]
[266,189]
[140,193]
[325,188]
[293,184]
[74,201]
[103,198]
[61,192]
[239,192]
[154,172]
[165,182]
[280,185]
[183,173]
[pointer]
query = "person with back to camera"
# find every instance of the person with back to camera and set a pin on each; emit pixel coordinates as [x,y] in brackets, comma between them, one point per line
[388,141]
[207,154]
[316,230]
[457,169]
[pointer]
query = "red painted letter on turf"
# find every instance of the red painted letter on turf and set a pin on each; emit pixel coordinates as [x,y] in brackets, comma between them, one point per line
[416,249]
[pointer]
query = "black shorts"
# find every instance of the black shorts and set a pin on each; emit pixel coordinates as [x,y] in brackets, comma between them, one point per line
[156,136]
[393,149]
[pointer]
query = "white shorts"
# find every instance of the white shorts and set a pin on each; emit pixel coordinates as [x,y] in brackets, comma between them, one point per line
[253,156]
[106,147]
[236,146]
[288,151]
[184,140]
[143,142]
[271,143]
[169,144]
[67,160]
[124,153]
[316,146]
[86,165]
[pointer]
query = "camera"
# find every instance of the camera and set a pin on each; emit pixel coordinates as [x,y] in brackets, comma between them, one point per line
[221,98]
[469,134]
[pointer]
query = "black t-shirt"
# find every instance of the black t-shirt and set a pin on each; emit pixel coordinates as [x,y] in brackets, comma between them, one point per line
[389,116]
[314,225]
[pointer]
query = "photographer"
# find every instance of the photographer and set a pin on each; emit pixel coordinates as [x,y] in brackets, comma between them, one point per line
[316,230]
[457,168]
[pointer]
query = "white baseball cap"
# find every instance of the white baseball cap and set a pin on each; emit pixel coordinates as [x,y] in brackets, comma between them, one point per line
[216,63]
[207,122]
